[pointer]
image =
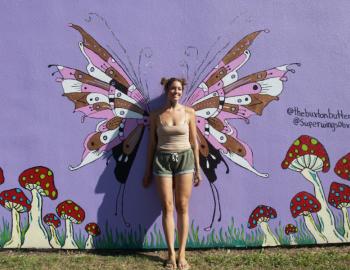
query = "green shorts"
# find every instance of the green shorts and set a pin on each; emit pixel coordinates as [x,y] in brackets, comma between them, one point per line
[173,163]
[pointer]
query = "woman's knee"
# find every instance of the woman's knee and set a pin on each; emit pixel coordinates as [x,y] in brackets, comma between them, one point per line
[182,206]
[168,207]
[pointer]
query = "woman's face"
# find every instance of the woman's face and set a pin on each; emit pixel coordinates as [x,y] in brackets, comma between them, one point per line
[175,91]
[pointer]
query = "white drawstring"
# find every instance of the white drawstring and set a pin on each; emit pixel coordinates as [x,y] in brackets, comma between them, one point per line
[175,157]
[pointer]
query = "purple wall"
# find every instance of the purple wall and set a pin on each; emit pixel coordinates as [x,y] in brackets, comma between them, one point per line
[39,128]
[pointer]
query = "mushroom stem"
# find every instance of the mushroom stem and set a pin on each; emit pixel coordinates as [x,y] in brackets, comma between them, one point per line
[292,240]
[89,242]
[54,240]
[15,241]
[36,235]
[346,224]
[69,242]
[269,238]
[325,215]
[310,224]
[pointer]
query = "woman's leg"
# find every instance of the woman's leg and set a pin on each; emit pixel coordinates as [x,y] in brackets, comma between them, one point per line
[183,189]
[165,190]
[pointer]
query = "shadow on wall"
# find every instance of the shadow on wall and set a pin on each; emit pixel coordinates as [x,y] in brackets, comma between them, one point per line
[124,221]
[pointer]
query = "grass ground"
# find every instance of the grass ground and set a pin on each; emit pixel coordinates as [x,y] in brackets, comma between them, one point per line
[329,257]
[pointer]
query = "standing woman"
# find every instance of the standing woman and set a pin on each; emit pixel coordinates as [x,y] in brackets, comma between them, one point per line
[173,158]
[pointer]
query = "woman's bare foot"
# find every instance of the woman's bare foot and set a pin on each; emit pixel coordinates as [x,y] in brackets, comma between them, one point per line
[183,264]
[170,262]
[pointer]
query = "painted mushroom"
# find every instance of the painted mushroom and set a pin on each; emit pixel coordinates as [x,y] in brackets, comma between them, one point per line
[40,181]
[261,215]
[308,157]
[93,230]
[2,177]
[290,230]
[53,222]
[72,213]
[17,202]
[339,197]
[342,167]
[304,204]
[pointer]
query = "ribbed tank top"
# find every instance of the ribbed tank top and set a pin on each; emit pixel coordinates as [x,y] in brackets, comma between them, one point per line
[173,138]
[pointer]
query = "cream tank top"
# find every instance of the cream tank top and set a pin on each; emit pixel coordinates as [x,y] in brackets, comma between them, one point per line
[173,138]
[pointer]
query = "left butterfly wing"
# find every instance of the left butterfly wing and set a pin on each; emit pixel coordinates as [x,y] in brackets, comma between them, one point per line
[125,153]
[106,92]
[108,134]
[209,157]
[101,64]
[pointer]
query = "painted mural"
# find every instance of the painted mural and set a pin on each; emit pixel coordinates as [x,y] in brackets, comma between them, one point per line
[276,172]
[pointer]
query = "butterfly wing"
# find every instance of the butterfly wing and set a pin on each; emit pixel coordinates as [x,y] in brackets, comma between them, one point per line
[125,153]
[106,92]
[101,64]
[209,157]
[223,96]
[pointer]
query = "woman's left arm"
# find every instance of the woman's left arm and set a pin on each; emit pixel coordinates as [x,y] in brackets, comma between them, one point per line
[194,145]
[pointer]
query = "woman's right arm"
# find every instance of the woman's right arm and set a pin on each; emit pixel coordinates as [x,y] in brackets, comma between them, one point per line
[147,179]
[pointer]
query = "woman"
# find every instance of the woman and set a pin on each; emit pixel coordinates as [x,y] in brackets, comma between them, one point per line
[173,157]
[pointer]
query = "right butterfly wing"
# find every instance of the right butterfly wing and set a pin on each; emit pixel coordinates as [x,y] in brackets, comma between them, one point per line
[226,71]
[225,140]
[223,96]
[234,59]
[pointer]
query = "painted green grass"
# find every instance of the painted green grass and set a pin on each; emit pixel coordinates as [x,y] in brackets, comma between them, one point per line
[130,239]
[61,235]
[302,237]
[233,235]
[224,237]
[339,223]
[79,237]
[5,232]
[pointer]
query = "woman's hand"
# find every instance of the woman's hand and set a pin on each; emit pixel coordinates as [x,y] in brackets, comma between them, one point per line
[197,178]
[147,180]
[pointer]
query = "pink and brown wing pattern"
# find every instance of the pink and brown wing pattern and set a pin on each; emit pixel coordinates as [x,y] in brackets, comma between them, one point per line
[104,92]
[224,95]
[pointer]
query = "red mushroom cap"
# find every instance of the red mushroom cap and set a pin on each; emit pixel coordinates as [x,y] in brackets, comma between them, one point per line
[306,152]
[339,195]
[261,213]
[2,178]
[15,199]
[70,210]
[92,229]
[41,179]
[52,220]
[342,167]
[304,203]
[290,229]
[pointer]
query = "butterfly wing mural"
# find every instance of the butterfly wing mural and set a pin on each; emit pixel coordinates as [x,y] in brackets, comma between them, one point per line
[107,93]
[223,96]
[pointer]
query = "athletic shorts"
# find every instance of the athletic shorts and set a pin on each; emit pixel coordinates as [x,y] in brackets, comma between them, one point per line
[173,163]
